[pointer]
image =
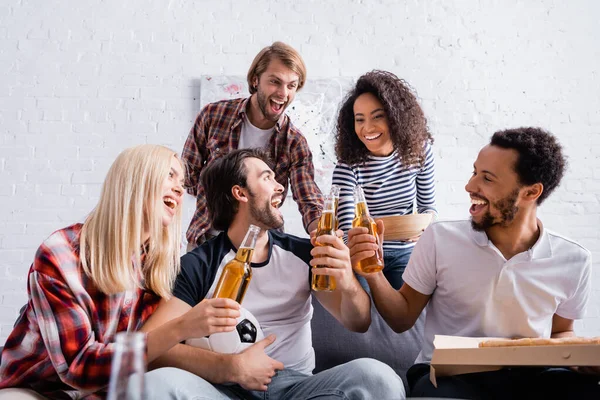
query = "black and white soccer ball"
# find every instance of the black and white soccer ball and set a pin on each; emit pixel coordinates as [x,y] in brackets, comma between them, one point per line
[246,333]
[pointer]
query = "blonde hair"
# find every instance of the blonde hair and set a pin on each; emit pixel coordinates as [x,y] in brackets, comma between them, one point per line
[130,204]
[284,53]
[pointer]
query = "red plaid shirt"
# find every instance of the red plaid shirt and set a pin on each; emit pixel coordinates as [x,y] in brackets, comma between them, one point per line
[216,132]
[62,342]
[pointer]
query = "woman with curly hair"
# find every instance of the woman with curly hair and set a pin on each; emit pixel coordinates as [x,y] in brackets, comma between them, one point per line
[383,145]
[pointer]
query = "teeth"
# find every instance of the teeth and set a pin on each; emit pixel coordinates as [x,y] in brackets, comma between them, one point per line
[372,137]
[170,202]
[478,202]
[278,102]
[275,203]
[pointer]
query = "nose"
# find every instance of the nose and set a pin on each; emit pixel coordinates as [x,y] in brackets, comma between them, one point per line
[368,125]
[178,189]
[283,92]
[470,186]
[279,187]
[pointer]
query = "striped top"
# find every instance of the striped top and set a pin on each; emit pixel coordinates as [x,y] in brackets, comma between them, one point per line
[390,189]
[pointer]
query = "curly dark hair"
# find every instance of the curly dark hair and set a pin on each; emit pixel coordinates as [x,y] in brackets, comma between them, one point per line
[219,176]
[407,123]
[540,157]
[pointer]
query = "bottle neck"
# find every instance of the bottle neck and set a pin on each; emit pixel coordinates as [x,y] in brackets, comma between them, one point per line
[362,209]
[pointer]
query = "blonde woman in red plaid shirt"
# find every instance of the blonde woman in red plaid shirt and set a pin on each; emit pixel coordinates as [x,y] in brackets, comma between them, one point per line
[89,281]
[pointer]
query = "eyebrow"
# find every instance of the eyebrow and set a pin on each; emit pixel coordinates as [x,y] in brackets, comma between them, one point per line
[279,78]
[174,171]
[485,171]
[372,112]
[266,172]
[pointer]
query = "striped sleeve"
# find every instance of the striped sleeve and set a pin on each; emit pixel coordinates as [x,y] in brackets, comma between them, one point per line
[344,177]
[425,183]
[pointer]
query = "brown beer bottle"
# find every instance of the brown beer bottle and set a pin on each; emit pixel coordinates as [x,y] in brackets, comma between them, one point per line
[363,219]
[237,273]
[335,193]
[326,226]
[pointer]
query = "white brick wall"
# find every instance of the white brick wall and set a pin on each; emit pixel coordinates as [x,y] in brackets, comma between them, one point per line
[79,81]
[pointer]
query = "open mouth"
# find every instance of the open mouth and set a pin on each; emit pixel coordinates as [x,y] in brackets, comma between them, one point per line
[277,106]
[373,137]
[169,202]
[275,203]
[477,205]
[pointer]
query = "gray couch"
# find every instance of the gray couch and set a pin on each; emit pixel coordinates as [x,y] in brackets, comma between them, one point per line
[335,345]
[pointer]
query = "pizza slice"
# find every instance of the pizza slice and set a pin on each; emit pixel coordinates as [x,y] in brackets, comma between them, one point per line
[539,341]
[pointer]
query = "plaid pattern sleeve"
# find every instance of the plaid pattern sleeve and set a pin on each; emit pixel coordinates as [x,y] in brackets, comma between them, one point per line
[305,191]
[63,340]
[214,134]
[194,153]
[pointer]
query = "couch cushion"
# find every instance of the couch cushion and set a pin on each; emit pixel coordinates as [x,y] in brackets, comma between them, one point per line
[336,345]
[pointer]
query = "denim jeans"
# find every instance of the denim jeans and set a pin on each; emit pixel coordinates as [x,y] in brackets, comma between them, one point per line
[509,383]
[363,378]
[395,262]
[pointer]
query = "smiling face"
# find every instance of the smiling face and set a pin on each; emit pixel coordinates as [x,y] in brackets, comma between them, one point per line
[275,90]
[264,195]
[371,125]
[172,192]
[494,188]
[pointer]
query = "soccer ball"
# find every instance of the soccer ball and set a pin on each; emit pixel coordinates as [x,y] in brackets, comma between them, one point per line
[246,333]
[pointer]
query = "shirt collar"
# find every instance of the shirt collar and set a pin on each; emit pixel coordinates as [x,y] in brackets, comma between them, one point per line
[541,248]
[241,111]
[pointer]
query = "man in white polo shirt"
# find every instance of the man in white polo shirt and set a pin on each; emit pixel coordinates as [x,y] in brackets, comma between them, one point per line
[500,275]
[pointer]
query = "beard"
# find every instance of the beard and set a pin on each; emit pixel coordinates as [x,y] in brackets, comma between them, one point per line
[264,106]
[505,206]
[265,217]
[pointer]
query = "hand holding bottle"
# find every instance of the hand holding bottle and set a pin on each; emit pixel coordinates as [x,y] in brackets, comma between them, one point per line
[208,317]
[363,245]
[332,259]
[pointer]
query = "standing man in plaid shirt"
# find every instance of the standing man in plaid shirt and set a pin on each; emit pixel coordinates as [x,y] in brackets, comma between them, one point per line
[274,77]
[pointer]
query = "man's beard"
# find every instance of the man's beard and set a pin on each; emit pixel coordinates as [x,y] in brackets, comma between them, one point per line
[264,106]
[265,215]
[507,209]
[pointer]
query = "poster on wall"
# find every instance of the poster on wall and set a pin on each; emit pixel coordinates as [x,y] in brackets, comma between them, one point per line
[313,111]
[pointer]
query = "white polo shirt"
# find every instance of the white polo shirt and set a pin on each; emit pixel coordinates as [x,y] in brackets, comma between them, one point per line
[475,291]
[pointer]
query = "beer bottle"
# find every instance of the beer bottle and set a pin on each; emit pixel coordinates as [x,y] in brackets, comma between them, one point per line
[325,227]
[363,219]
[237,273]
[335,193]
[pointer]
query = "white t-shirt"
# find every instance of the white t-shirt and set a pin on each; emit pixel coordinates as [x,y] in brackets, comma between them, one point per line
[279,294]
[475,291]
[253,137]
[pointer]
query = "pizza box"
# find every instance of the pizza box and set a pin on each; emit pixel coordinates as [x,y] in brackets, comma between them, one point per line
[455,355]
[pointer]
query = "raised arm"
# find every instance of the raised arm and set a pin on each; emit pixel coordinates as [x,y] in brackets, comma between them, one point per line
[194,152]
[305,191]
[348,303]
[399,308]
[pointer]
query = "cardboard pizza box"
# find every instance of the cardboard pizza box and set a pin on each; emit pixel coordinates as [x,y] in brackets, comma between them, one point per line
[455,355]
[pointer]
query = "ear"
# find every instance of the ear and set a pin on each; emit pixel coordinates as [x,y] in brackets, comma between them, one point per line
[239,194]
[255,82]
[532,192]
